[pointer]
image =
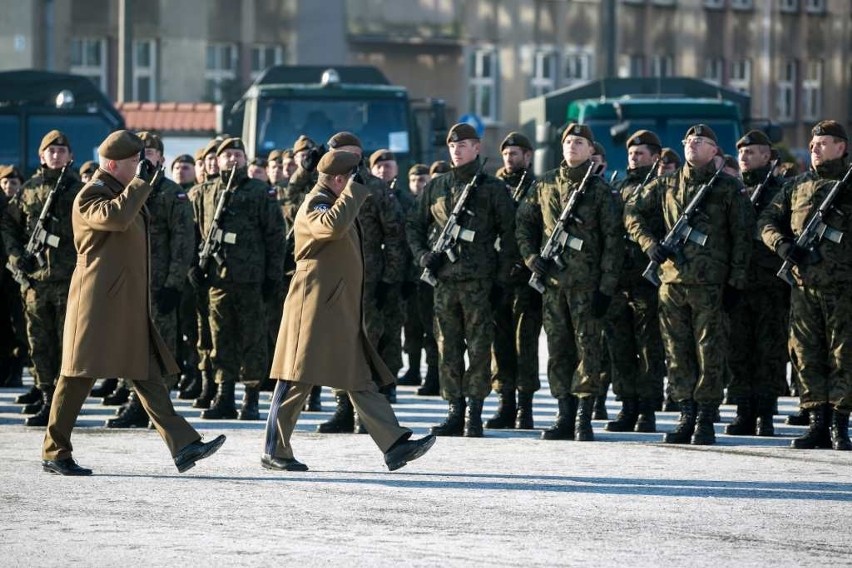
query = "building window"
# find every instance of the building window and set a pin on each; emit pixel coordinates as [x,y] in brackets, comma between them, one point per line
[662,66]
[544,72]
[787,92]
[815,6]
[89,58]
[482,83]
[578,65]
[716,4]
[788,5]
[632,1]
[263,56]
[812,91]
[145,70]
[742,4]
[665,2]
[714,70]
[220,69]
[740,78]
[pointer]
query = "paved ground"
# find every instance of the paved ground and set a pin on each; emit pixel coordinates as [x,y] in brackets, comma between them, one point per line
[509,499]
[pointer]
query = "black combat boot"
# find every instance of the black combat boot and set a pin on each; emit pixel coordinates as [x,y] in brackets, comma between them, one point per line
[563,428]
[40,417]
[599,411]
[249,409]
[454,424]
[801,418]
[840,431]
[585,410]
[35,407]
[104,389]
[412,377]
[626,419]
[765,412]
[343,419]
[119,396]
[646,421]
[818,435]
[223,406]
[208,390]
[705,433]
[473,420]
[685,426]
[190,388]
[745,422]
[524,419]
[314,403]
[507,410]
[431,385]
[29,397]
[133,415]
[669,405]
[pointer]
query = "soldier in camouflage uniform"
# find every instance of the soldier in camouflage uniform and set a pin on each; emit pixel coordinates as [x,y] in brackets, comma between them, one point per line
[758,335]
[13,337]
[632,327]
[466,288]
[46,290]
[576,298]
[517,319]
[695,295]
[172,244]
[252,270]
[821,309]
[669,161]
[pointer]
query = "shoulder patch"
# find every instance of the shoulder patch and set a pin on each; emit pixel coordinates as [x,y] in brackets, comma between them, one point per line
[96,182]
[321,207]
[181,196]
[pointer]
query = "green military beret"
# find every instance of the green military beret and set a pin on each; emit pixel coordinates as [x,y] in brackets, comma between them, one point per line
[383,155]
[230,144]
[645,137]
[581,130]
[120,145]
[53,138]
[211,147]
[258,161]
[274,155]
[338,163]
[462,131]
[183,159]
[303,143]
[9,172]
[754,138]
[151,140]
[439,167]
[89,167]
[344,139]
[199,154]
[669,156]
[731,162]
[702,130]
[418,170]
[516,139]
[286,154]
[599,150]
[829,128]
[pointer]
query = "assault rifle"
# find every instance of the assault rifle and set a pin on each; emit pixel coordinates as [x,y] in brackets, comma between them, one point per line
[40,237]
[816,230]
[758,191]
[518,192]
[645,181]
[560,238]
[216,236]
[452,231]
[682,232]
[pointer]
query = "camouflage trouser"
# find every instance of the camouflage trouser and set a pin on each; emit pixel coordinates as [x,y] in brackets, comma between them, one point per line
[205,341]
[757,357]
[188,328]
[419,328]
[44,305]
[390,345]
[238,330]
[517,325]
[574,346]
[821,345]
[167,325]
[632,330]
[695,338]
[463,320]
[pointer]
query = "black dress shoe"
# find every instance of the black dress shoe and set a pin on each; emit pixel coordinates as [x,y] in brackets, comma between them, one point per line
[282,464]
[409,450]
[197,450]
[65,466]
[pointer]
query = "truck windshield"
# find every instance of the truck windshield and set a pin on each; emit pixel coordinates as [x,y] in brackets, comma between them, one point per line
[85,132]
[378,123]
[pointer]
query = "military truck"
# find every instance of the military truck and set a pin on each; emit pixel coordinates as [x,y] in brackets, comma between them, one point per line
[34,102]
[289,100]
[615,108]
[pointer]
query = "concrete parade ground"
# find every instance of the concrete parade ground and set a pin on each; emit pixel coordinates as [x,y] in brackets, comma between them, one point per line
[509,499]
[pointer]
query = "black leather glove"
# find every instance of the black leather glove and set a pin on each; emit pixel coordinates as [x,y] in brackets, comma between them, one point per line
[381,294]
[167,299]
[518,270]
[600,304]
[730,298]
[197,277]
[497,295]
[145,170]
[432,260]
[658,253]
[408,289]
[788,250]
[27,263]
[539,266]
[270,288]
[313,157]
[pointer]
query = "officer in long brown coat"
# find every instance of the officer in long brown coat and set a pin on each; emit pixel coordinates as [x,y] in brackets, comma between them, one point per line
[322,339]
[108,326]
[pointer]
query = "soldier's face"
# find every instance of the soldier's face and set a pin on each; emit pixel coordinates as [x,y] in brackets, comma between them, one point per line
[289,166]
[640,156]
[699,151]
[386,170]
[299,158]
[666,167]
[211,166]
[463,152]
[417,183]
[275,171]
[826,148]
[231,158]
[55,157]
[199,171]
[753,157]
[123,170]
[257,172]
[515,158]
[576,150]
[183,173]
[11,186]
